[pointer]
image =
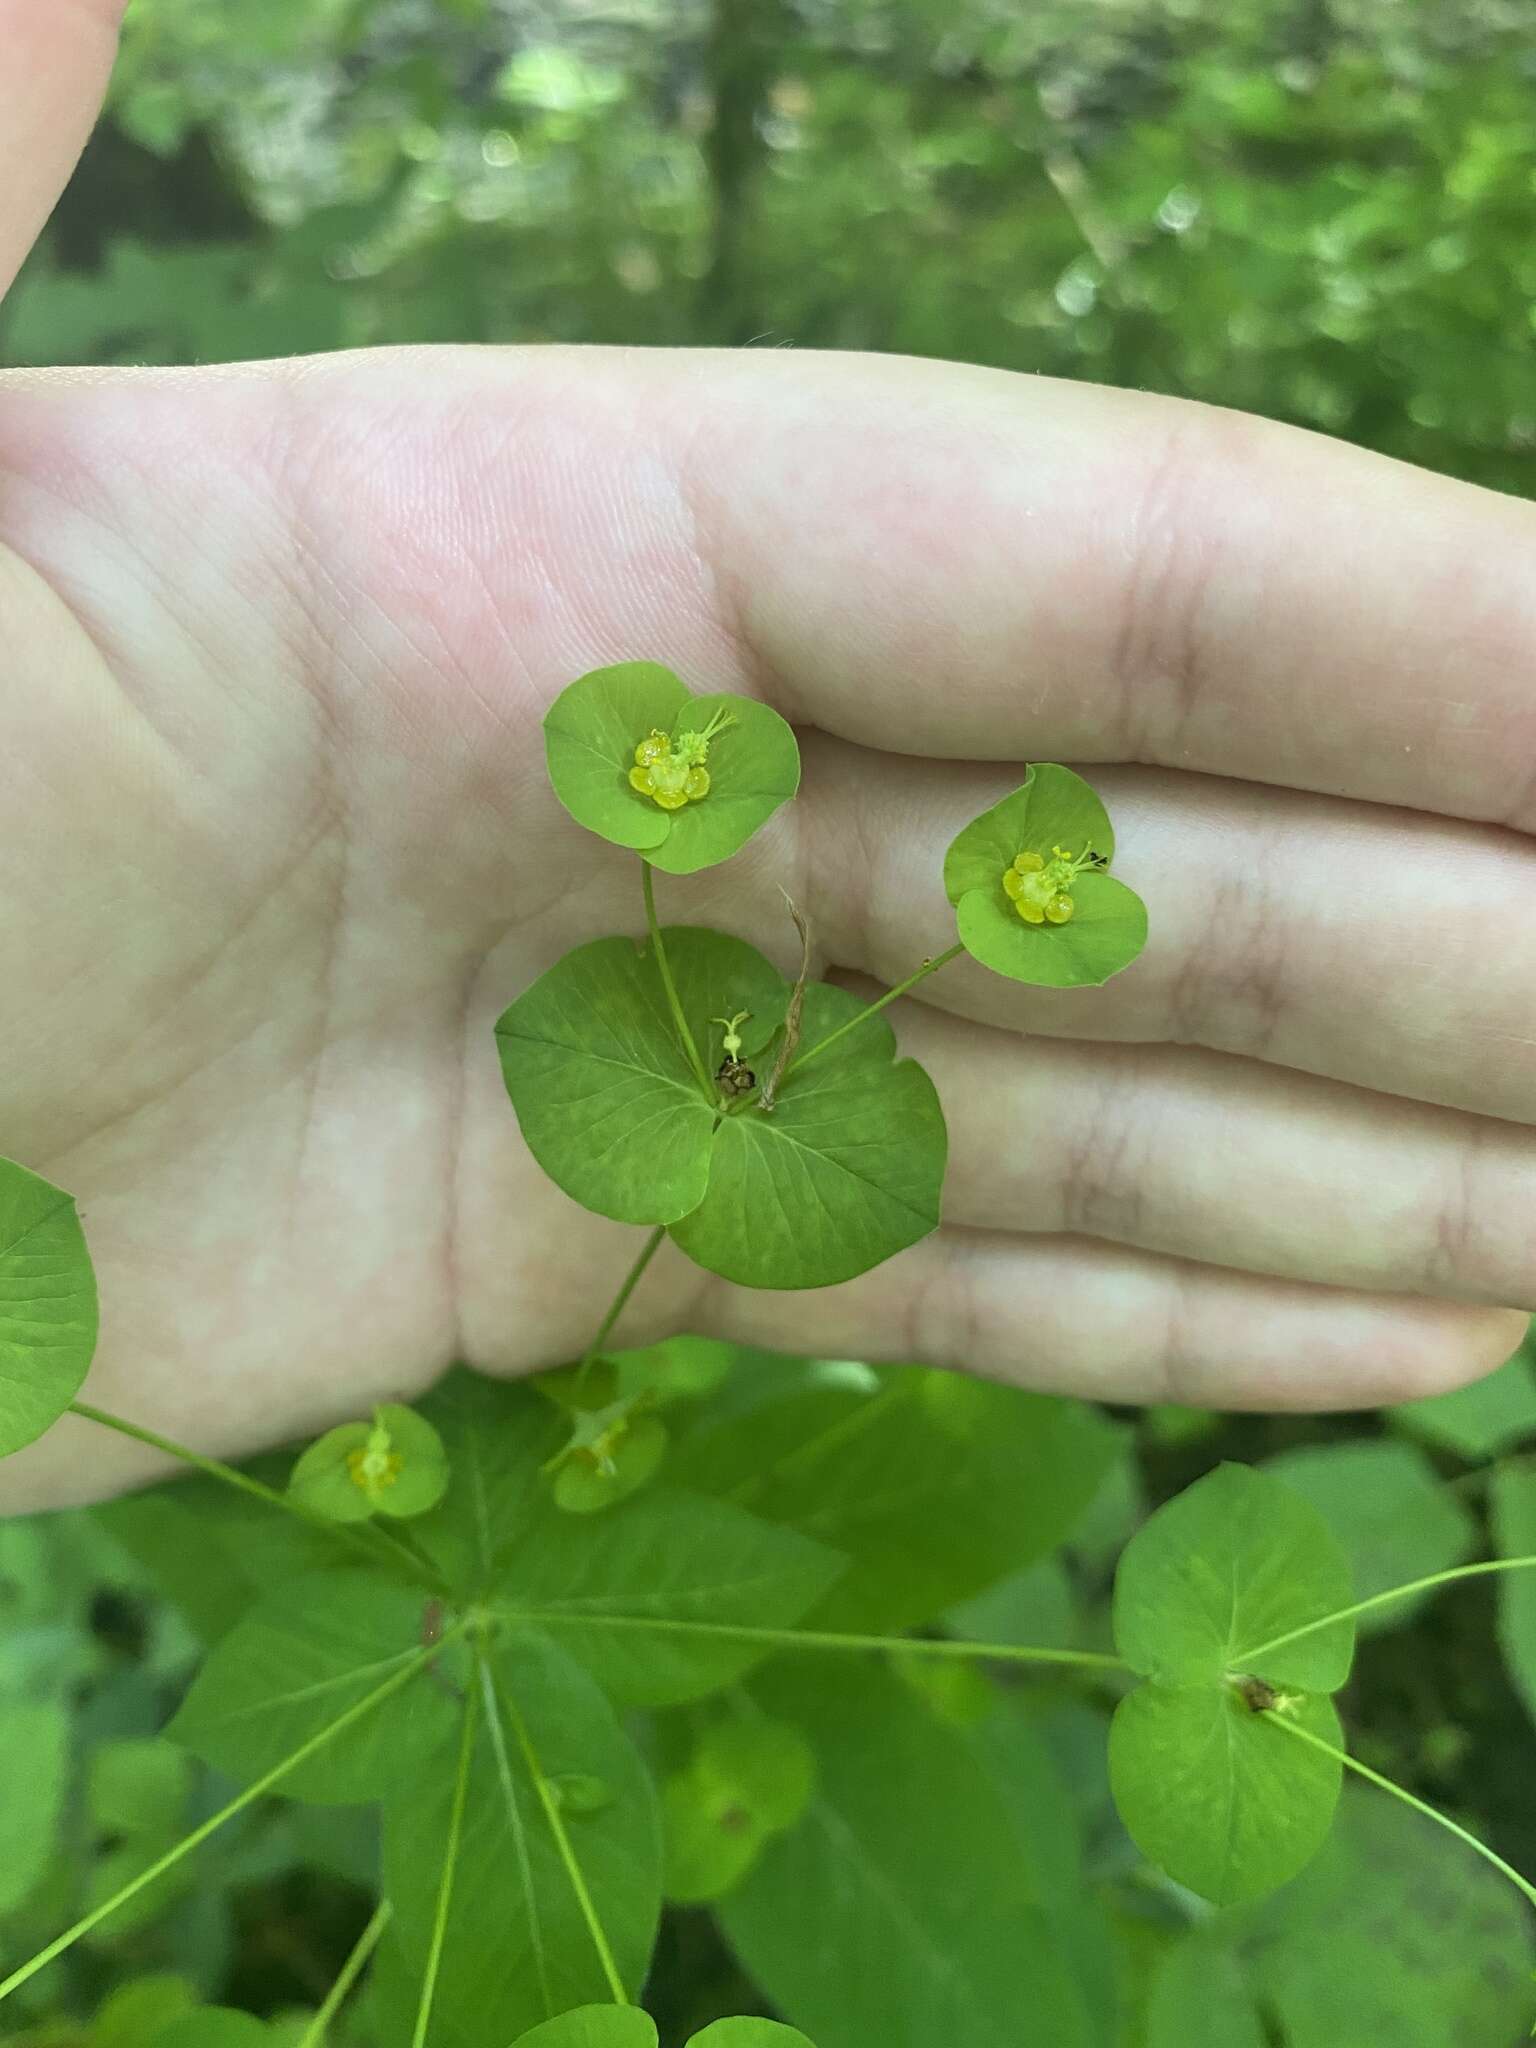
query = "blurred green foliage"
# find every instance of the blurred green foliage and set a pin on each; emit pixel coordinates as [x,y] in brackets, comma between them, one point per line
[1314,209]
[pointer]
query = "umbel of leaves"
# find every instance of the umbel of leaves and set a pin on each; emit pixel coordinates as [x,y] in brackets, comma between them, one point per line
[1088,926]
[844,1171]
[596,727]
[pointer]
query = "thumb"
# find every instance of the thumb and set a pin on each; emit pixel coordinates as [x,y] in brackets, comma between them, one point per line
[55,58]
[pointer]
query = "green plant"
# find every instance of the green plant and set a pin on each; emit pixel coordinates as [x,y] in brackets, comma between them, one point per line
[643,1628]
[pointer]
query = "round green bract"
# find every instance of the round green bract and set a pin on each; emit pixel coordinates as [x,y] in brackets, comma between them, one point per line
[590,735]
[1052,807]
[47,1305]
[582,1488]
[322,1479]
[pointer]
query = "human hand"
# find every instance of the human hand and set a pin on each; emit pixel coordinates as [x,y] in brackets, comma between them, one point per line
[279,846]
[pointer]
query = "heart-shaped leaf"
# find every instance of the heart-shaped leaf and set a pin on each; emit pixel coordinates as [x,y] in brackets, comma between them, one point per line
[844,1170]
[597,733]
[1217,1795]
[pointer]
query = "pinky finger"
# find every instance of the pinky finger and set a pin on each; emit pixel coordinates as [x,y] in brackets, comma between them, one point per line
[1069,1316]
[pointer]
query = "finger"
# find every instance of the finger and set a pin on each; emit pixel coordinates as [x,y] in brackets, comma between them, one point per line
[58,54]
[963,562]
[1230,1163]
[1361,943]
[1070,1317]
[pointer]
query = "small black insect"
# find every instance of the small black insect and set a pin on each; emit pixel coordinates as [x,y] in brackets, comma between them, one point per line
[735,1077]
[1257,1695]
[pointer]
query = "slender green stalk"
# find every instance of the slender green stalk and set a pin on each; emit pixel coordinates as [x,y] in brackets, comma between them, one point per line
[1281,1720]
[375,1548]
[1251,1658]
[238,1804]
[497,1695]
[928,967]
[664,968]
[620,1300]
[313,2035]
[450,1870]
[815,1639]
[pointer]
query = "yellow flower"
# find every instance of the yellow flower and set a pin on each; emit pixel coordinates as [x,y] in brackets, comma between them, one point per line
[1040,889]
[671,772]
[374,1465]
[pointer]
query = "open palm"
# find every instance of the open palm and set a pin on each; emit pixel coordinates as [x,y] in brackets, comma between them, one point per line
[278,847]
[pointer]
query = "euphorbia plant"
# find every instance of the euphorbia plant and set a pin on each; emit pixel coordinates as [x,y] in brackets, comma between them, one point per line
[569,1636]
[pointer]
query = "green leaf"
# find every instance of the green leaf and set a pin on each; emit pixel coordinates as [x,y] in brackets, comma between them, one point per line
[604,1094]
[594,2026]
[745,1781]
[1053,807]
[1482,1420]
[749,2033]
[138,1786]
[34,1763]
[593,728]
[518,1949]
[137,2012]
[935,1484]
[1393,1934]
[213,2026]
[1514,1528]
[845,1171]
[47,1306]
[1201,1999]
[393,1466]
[650,1599]
[498,1437]
[299,1662]
[1393,1517]
[904,1896]
[1224,1568]
[1216,1795]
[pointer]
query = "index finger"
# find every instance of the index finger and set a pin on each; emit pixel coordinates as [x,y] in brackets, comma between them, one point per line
[953,561]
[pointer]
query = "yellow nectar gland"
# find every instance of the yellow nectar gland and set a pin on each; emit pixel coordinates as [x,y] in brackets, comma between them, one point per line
[375,1466]
[671,771]
[1040,889]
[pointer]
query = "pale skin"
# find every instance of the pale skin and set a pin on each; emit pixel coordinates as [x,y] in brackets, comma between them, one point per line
[278,847]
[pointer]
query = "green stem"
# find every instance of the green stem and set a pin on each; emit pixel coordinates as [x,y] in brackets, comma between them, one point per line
[664,968]
[496,1695]
[817,1639]
[928,967]
[1281,1720]
[313,2035]
[450,1870]
[238,1804]
[1251,1658]
[620,1300]
[377,1549]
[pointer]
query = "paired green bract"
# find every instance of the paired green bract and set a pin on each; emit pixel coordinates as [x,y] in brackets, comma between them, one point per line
[844,1171]
[1209,1789]
[1052,808]
[593,728]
